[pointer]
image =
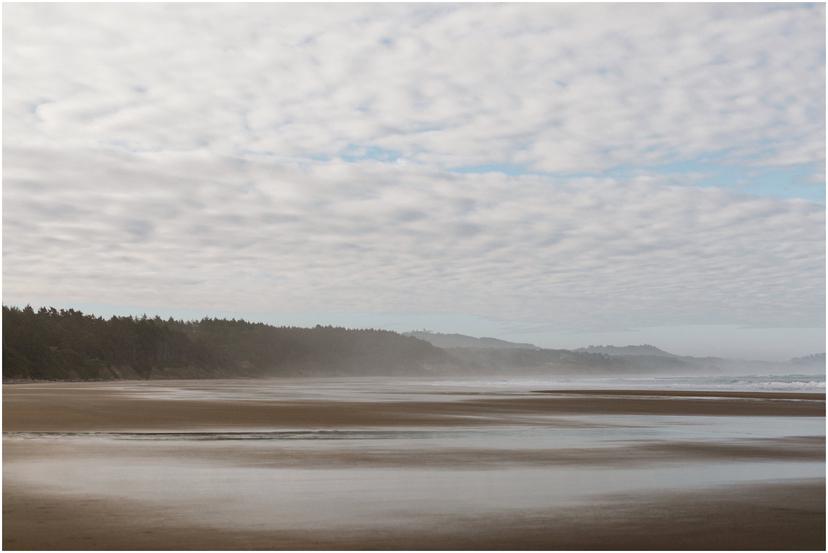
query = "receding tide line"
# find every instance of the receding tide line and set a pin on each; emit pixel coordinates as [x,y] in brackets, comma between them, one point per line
[813,396]
[213,436]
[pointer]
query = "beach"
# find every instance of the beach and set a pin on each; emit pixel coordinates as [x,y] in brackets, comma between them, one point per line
[409,464]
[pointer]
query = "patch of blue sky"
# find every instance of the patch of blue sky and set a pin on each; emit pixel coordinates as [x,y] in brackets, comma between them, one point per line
[791,181]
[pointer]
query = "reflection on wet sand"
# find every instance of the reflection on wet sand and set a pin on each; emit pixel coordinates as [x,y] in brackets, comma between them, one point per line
[417,466]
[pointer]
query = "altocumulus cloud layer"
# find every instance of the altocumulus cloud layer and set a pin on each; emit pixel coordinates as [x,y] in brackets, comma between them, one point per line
[541,165]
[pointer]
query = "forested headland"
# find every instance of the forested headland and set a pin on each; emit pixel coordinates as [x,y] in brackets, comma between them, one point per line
[52,344]
[66,344]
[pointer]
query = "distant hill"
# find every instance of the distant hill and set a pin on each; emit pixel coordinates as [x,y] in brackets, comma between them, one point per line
[815,360]
[493,356]
[537,361]
[463,341]
[642,350]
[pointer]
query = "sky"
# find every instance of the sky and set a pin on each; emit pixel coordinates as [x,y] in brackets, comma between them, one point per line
[554,173]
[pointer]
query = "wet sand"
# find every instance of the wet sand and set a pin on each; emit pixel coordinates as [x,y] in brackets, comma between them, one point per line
[85,407]
[782,516]
[323,466]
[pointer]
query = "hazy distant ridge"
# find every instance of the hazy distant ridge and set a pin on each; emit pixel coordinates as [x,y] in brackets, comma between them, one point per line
[463,341]
[644,349]
[489,355]
[813,360]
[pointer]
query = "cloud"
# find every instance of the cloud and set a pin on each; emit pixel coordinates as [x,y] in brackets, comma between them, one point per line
[550,87]
[196,232]
[305,158]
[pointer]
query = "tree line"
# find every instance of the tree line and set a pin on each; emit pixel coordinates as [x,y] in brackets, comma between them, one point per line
[59,344]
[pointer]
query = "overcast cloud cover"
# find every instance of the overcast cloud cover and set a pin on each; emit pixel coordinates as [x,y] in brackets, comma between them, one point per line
[554,172]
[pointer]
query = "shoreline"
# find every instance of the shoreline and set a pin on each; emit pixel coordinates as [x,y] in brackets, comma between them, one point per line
[655,392]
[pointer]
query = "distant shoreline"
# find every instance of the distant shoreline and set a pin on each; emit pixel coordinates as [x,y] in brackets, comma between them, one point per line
[688,393]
